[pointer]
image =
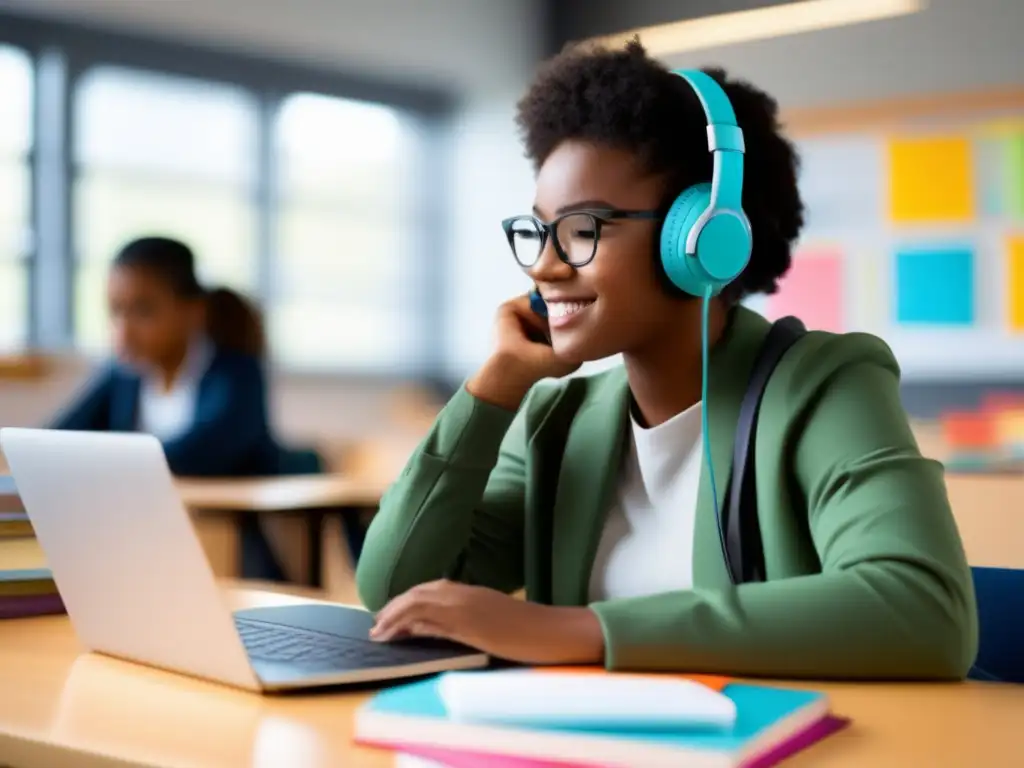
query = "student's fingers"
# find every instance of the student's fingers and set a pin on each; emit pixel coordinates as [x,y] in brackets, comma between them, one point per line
[397,624]
[388,617]
[416,604]
[516,321]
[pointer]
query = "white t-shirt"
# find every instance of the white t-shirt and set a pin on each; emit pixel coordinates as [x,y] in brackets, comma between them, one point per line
[168,413]
[646,546]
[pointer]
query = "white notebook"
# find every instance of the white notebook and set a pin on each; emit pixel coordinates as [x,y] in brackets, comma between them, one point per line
[525,697]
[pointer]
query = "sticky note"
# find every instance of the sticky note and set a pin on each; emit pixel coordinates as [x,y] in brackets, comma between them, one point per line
[935,286]
[990,175]
[1015,175]
[842,182]
[812,290]
[1015,282]
[931,180]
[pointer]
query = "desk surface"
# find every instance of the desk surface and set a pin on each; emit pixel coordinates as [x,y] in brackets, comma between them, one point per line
[63,708]
[282,493]
[989,513]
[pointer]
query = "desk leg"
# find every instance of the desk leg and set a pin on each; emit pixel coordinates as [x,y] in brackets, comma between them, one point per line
[315,532]
[258,558]
[354,531]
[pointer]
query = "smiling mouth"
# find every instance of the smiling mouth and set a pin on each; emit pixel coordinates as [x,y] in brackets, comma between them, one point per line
[562,312]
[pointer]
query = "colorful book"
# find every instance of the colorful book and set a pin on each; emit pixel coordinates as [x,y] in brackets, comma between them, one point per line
[10,501]
[15,525]
[28,592]
[26,581]
[23,606]
[771,722]
[427,757]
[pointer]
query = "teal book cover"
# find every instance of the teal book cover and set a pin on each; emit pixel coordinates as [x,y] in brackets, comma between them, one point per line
[766,716]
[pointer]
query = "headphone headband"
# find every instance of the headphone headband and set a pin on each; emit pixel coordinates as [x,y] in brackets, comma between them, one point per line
[705,238]
[725,142]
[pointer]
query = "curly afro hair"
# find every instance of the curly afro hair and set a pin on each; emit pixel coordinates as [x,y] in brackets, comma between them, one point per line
[625,99]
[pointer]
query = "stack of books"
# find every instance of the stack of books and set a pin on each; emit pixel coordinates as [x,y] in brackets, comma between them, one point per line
[615,720]
[26,584]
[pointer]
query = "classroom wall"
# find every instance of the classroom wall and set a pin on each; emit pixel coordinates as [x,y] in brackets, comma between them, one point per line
[951,46]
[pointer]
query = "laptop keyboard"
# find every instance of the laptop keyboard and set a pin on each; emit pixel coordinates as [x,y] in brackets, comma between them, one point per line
[273,642]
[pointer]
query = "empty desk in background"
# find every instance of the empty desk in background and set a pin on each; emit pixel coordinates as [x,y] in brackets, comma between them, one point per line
[312,497]
[61,708]
[989,513]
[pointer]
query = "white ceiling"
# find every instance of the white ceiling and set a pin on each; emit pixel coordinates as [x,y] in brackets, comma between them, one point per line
[472,45]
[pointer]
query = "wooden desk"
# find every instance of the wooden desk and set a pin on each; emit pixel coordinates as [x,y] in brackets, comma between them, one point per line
[274,494]
[312,496]
[989,511]
[60,708]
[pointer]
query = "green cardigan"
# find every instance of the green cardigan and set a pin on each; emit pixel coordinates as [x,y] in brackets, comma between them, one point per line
[867,576]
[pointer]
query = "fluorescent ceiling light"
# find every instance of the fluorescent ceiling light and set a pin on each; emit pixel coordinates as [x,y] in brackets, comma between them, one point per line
[762,23]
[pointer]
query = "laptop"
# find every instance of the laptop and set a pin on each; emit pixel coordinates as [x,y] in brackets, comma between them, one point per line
[137,585]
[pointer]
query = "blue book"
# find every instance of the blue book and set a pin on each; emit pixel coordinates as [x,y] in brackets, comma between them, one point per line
[770,723]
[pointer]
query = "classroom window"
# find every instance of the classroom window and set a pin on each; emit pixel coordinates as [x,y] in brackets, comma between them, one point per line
[160,155]
[344,274]
[16,106]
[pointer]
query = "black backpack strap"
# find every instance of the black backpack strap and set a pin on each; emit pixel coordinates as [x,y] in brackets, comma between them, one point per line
[540,525]
[744,553]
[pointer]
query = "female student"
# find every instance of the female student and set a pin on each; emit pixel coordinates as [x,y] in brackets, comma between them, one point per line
[188,370]
[596,493]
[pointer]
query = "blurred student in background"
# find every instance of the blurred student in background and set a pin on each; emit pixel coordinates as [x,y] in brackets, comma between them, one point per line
[188,370]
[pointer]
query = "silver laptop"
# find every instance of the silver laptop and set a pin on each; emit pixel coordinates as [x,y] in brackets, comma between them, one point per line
[137,585]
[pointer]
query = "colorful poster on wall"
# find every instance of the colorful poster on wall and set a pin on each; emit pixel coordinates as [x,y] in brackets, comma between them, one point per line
[1015,175]
[931,179]
[935,286]
[813,290]
[1015,283]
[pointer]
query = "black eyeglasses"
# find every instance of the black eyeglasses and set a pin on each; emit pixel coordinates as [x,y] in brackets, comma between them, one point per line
[575,234]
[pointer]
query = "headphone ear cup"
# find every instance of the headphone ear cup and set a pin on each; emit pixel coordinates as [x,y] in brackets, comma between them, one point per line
[681,216]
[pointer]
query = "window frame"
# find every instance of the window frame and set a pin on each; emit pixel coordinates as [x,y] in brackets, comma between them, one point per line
[29,257]
[71,49]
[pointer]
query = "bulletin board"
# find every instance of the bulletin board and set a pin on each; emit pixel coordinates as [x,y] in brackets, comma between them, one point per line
[915,231]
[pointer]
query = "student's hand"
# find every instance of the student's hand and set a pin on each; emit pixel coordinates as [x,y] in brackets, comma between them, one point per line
[493,622]
[520,358]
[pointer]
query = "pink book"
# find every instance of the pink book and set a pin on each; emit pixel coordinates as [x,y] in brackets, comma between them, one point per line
[452,758]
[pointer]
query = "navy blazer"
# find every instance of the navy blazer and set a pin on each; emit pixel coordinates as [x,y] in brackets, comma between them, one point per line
[230,433]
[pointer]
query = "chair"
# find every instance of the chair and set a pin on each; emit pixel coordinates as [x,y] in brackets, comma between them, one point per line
[1000,596]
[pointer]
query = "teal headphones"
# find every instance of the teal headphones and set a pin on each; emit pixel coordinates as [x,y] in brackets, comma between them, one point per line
[705,237]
